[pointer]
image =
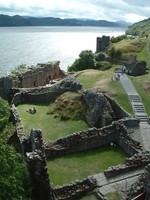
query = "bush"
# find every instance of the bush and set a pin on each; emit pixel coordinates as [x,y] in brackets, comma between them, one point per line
[85,61]
[112,52]
[14,177]
[103,65]
[4,113]
[118,39]
[115,53]
[19,68]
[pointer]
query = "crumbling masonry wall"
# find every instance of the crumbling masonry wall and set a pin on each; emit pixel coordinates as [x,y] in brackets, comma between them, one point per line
[93,138]
[31,77]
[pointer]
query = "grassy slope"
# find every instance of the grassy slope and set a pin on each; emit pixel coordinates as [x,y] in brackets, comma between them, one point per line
[102,81]
[67,168]
[142,83]
[52,128]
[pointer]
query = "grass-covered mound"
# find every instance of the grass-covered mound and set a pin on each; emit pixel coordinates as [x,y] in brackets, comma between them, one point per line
[122,49]
[51,126]
[69,106]
[102,81]
[68,168]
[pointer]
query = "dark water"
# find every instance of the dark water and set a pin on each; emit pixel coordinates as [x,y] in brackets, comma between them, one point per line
[32,45]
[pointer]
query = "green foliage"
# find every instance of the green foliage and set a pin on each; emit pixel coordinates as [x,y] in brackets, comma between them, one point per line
[113,196]
[140,29]
[103,65]
[115,53]
[118,38]
[85,61]
[69,105]
[14,179]
[19,68]
[4,113]
[112,52]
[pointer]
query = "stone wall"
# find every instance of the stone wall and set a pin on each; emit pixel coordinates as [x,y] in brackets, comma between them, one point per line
[118,110]
[92,138]
[74,190]
[34,153]
[137,161]
[141,187]
[45,94]
[102,43]
[31,77]
[37,166]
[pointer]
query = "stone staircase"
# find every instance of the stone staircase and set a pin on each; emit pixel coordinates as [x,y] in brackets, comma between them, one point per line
[138,108]
[135,100]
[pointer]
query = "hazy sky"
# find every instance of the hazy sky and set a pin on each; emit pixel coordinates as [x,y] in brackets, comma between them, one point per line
[112,10]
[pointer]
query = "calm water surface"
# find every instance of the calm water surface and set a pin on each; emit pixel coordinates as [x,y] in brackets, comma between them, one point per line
[32,45]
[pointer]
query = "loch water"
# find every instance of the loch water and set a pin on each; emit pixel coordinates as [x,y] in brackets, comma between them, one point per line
[32,45]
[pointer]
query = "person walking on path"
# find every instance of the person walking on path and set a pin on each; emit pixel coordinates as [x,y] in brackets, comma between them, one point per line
[123,69]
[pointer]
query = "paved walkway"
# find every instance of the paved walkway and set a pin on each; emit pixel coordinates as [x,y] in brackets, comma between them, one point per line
[138,109]
[120,183]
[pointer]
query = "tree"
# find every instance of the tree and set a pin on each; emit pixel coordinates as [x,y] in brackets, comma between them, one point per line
[85,61]
[14,179]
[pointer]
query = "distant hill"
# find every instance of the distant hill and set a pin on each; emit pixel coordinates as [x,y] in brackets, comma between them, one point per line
[17,20]
[140,29]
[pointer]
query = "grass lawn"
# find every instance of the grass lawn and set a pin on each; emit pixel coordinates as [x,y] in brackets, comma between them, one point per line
[68,168]
[128,46]
[113,196]
[142,85]
[90,197]
[52,128]
[102,81]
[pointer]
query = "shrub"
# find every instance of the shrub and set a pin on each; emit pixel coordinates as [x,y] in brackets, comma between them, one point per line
[19,68]
[85,61]
[4,113]
[112,52]
[118,38]
[115,53]
[103,65]
[14,177]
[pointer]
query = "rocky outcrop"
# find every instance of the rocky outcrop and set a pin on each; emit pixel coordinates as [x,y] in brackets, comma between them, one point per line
[99,112]
[134,67]
[139,68]
[102,110]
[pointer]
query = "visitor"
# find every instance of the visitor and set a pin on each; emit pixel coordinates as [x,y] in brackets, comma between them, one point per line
[34,110]
[123,69]
[48,81]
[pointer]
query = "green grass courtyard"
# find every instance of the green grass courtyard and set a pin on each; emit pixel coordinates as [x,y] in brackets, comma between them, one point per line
[68,168]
